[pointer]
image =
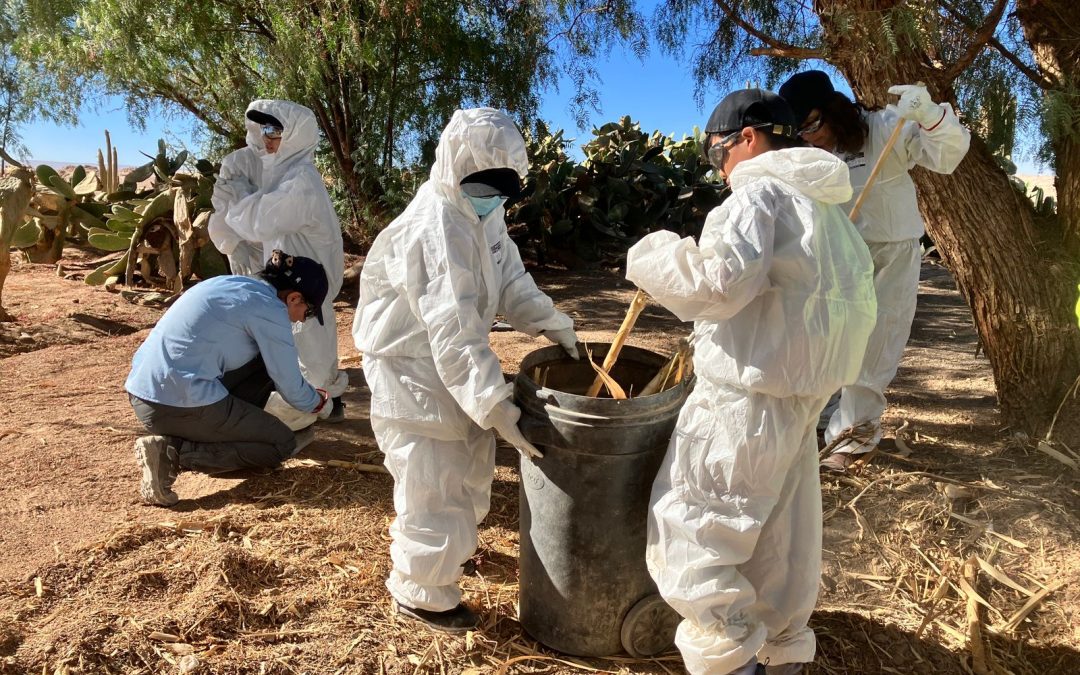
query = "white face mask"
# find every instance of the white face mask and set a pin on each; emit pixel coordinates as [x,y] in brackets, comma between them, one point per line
[485,205]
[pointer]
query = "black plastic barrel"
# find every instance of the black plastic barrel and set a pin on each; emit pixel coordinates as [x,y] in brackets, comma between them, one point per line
[584,587]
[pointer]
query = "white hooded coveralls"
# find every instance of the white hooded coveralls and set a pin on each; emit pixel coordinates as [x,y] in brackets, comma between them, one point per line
[781,294]
[291,211]
[890,223]
[239,176]
[430,288]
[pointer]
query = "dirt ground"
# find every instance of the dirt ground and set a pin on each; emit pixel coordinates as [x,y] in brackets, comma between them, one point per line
[281,572]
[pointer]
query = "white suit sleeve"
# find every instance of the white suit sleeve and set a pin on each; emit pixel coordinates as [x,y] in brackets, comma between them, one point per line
[443,292]
[231,186]
[270,215]
[525,306]
[711,282]
[939,148]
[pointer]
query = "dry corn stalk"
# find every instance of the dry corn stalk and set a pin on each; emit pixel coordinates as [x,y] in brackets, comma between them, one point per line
[636,306]
[613,387]
[673,371]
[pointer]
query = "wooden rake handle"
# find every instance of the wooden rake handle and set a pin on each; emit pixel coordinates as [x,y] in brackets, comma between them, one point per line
[636,306]
[878,164]
[877,168]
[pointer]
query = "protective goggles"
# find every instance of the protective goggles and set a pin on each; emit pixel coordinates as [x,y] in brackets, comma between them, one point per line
[716,153]
[811,128]
[272,132]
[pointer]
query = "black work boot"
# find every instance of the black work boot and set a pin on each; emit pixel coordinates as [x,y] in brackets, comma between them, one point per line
[457,620]
[337,413]
[160,464]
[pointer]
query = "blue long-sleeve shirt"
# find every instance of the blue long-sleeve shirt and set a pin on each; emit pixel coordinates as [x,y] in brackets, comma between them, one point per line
[218,326]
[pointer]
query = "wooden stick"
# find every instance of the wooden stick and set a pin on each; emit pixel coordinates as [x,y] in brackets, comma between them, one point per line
[636,307]
[877,165]
[877,168]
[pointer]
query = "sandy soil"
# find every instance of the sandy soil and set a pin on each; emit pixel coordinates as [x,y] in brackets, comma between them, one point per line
[281,572]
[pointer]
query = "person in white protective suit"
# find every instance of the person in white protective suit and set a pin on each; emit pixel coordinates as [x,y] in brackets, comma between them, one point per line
[431,286]
[238,177]
[780,291]
[289,209]
[889,222]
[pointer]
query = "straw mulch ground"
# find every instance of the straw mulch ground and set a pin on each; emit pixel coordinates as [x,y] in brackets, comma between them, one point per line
[956,550]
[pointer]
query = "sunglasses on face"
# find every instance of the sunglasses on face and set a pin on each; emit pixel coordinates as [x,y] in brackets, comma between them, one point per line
[811,128]
[271,132]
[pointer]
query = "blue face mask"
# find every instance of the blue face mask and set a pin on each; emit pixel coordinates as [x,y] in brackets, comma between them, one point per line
[485,205]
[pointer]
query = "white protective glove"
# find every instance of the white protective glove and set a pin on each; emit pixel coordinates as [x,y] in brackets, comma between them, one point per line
[915,104]
[565,338]
[327,405]
[503,418]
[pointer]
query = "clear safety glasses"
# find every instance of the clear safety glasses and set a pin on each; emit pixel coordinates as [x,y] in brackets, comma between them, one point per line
[811,128]
[716,153]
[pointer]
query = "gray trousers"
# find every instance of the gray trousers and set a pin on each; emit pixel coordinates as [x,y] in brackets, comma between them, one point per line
[233,433]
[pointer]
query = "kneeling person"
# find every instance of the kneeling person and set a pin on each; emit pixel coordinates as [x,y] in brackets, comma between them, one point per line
[201,379]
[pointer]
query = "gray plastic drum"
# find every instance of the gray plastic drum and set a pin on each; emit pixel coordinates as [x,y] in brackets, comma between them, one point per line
[584,505]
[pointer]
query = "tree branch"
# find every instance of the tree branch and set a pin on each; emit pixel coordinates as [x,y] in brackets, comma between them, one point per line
[788,52]
[979,41]
[1043,81]
[753,31]
[569,32]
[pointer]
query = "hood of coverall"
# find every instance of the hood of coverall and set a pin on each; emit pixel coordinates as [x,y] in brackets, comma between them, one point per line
[815,173]
[475,140]
[298,138]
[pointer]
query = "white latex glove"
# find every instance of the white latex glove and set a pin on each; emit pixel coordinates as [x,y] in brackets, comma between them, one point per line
[327,404]
[915,104]
[503,418]
[565,338]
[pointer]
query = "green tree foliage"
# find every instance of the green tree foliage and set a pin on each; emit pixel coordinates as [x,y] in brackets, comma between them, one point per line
[23,94]
[383,76]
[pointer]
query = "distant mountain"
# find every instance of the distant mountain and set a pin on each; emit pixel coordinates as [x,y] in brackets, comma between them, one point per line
[60,165]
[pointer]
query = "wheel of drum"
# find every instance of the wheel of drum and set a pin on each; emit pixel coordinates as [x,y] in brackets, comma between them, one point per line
[649,627]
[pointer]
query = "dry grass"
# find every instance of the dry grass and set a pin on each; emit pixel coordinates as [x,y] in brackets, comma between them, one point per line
[292,582]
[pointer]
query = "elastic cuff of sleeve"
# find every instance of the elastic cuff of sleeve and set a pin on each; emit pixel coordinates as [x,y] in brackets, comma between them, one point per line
[938,123]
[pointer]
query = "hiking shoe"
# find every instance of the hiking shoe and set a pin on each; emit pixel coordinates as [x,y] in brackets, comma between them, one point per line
[337,413]
[837,462]
[785,669]
[457,620]
[159,464]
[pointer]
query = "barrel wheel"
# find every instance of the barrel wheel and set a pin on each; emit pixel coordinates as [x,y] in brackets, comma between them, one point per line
[649,627]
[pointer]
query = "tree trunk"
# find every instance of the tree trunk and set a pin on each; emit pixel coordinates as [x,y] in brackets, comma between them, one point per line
[1016,285]
[1052,29]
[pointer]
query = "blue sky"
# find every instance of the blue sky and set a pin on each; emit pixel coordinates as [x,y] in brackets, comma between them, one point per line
[657,92]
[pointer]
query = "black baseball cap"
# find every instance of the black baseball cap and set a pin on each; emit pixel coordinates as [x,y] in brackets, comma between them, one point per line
[264,119]
[296,273]
[806,91]
[503,182]
[752,108]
